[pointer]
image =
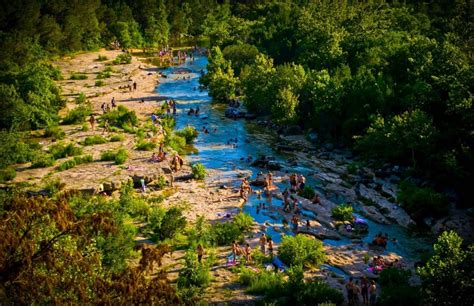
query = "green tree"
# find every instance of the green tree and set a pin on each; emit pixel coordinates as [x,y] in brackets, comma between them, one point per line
[284,109]
[448,277]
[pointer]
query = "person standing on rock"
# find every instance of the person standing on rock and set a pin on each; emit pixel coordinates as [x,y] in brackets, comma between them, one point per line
[106,127]
[263,243]
[270,246]
[350,291]
[92,122]
[200,252]
[365,290]
[134,86]
[372,293]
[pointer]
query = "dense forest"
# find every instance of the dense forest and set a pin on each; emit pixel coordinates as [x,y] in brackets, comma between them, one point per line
[390,80]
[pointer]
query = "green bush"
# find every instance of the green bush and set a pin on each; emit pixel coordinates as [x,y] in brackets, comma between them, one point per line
[199,171]
[194,274]
[422,202]
[121,117]
[172,223]
[189,133]
[269,283]
[307,192]
[67,165]
[301,250]
[99,83]
[124,58]
[120,156]
[103,75]
[61,150]
[117,137]
[243,221]
[93,140]
[177,143]
[81,98]
[131,204]
[343,212]
[16,148]
[159,183]
[101,58]
[55,132]
[143,145]
[318,293]
[77,114]
[78,76]
[83,159]
[85,127]
[352,168]
[396,289]
[7,174]
[42,160]
[225,233]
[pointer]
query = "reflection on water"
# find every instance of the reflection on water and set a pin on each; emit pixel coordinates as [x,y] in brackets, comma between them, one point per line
[252,140]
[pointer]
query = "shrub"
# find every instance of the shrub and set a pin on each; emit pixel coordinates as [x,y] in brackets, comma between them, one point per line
[7,174]
[266,282]
[103,75]
[121,117]
[199,171]
[194,274]
[83,159]
[301,250]
[307,192]
[78,76]
[422,202]
[143,145]
[352,168]
[318,292]
[343,212]
[160,183]
[99,83]
[172,223]
[132,205]
[93,140]
[16,148]
[117,137]
[124,58]
[225,233]
[243,221]
[55,132]
[81,98]
[60,150]
[43,160]
[120,156]
[101,58]
[78,114]
[396,289]
[189,133]
[67,165]
[177,143]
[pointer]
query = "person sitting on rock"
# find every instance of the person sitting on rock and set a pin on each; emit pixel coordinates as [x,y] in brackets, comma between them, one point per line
[316,199]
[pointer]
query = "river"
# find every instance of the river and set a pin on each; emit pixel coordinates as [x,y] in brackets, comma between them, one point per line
[215,153]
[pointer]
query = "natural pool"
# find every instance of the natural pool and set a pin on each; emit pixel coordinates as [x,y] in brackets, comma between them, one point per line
[215,153]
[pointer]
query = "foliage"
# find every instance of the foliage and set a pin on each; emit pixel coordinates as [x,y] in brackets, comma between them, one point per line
[81,98]
[87,236]
[170,224]
[77,160]
[243,221]
[122,59]
[42,160]
[199,171]
[307,192]
[343,212]
[78,76]
[99,83]
[117,138]
[268,283]
[61,150]
[121,117]
[301,250]
[131,204]
[103,75]
[7,174]
[77,114]
[421,202]
[54,132]
[194,274]
[93,140]
[119,156]
[189,133]
[447,278]
[101,58]
[396,289]
[176,142]
[240,56]
[16,148]
[143,145]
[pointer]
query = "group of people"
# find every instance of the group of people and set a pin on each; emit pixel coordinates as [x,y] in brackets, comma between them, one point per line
[297,182]
[367,289]
[193,111]
[107,108]
[238,251]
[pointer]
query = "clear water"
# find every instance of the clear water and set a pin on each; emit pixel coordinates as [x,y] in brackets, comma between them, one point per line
[215,153]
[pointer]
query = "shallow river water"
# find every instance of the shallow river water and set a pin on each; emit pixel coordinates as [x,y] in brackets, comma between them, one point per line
[215,153]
